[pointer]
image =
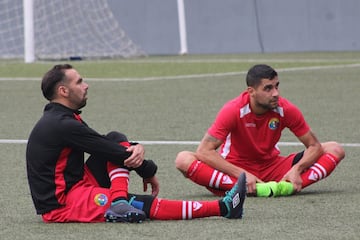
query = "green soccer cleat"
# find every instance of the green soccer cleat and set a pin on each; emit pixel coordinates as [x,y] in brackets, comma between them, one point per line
[274,189]
[234,199]
[268,189]
[285,188]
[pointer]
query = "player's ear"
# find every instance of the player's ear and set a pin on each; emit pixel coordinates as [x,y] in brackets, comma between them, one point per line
[250,90]
[63,91]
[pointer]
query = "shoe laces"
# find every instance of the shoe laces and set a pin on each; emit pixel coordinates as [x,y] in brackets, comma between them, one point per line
[229,194]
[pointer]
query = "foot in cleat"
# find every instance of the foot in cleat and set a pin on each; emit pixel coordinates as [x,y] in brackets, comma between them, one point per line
[234,199]
[122,211]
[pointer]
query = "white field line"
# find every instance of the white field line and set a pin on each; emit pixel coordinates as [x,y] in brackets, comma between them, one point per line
[236,60]
[193,76]
[188,77]
[23,141]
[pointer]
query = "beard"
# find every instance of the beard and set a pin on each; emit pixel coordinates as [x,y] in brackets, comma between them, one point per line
[268,106]
[79,102]
[82,103]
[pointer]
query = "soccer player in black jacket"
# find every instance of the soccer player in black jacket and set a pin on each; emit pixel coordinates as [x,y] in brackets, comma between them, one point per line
[66,188]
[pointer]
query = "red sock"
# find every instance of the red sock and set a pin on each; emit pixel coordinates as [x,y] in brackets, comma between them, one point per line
[209,177]
[163,209]
[321,169]
[119,178]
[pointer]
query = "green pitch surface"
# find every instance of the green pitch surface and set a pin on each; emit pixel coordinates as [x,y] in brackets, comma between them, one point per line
[168,103]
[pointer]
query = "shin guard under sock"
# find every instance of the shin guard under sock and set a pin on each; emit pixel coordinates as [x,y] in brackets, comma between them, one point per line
[209,177]
[319,170]
[119,178]
[163,209]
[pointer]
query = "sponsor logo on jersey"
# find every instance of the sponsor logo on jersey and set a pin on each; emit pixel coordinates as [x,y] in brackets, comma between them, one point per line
[274,123]
[250,125]
[100,199]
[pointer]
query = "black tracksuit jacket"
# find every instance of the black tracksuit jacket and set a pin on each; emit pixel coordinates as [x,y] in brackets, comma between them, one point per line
[55,155]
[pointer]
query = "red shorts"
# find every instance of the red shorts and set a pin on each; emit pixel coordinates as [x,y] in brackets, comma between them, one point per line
[274,170]
[85,202]
[270,171]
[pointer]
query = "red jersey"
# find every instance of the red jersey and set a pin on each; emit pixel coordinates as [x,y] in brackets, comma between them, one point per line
[251,140]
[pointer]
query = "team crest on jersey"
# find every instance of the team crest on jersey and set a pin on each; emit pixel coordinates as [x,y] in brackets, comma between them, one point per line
[274,123]
[100,199]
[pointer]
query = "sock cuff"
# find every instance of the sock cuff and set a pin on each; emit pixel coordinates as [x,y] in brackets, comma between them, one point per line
[119,200]
[332,157]
[193,167]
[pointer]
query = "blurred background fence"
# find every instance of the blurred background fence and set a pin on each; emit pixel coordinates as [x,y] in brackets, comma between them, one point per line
[122,28]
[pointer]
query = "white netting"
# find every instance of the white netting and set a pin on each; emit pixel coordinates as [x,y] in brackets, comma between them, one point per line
[11,29]
[64,29]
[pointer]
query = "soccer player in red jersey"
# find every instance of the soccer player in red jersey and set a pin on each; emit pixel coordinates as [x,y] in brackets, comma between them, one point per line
[243,139]
[66,188]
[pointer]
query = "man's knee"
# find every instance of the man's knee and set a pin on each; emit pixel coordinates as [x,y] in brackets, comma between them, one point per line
[117,136]
[335,149]
[183,160]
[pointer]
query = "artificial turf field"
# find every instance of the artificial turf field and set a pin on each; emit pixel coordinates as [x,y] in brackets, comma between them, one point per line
[167,103]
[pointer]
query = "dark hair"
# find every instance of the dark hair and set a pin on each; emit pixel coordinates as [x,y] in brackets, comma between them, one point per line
[51,78]
[258,72]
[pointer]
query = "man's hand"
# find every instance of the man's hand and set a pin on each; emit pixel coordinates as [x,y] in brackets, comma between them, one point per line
[251,181]
[155,187]
[137,156]
[293,176]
